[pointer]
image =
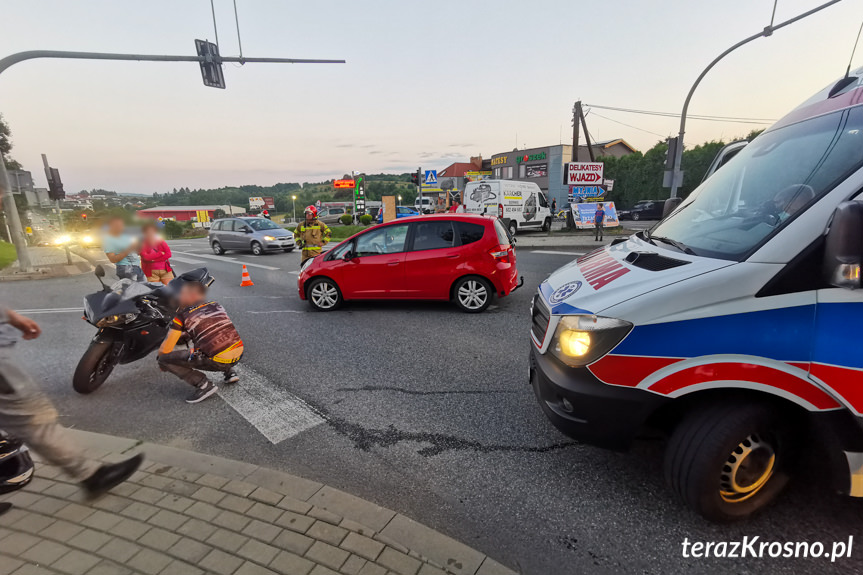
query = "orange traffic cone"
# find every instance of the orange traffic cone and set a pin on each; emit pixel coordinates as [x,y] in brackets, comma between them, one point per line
[247,280]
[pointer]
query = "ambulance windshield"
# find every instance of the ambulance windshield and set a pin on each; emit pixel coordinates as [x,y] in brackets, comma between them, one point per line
[779,175]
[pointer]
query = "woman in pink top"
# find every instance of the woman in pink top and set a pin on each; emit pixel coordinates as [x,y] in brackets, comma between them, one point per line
[155,254]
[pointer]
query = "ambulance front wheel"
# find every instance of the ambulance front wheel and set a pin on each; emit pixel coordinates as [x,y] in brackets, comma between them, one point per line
[729,460]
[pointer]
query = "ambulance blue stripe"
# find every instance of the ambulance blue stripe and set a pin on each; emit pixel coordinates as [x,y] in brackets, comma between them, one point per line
[833,346]
[783,334]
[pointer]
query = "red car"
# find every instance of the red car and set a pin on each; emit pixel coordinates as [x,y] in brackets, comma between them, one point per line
[461,257]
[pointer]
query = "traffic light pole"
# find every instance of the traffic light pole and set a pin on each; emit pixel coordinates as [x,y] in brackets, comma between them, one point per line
[767,31]
[6,198]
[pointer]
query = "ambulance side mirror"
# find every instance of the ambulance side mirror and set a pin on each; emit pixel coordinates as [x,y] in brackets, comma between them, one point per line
[843,250]
[670,205]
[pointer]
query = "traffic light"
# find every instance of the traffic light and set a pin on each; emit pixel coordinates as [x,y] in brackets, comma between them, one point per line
[84,217]
[415,178]
[55,186]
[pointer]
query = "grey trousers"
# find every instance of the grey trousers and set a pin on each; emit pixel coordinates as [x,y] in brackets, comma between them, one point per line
[27,414]
[178,363]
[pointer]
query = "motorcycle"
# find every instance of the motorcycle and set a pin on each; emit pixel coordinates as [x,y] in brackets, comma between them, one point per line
[132,318]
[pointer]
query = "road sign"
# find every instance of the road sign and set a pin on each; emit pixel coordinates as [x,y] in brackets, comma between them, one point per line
[431,177]
[211,67]
[609,185]
[28,230]
[586,191]
[344,184]
[582,173]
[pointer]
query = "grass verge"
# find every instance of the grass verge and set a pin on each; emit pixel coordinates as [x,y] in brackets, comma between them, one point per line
[7,254]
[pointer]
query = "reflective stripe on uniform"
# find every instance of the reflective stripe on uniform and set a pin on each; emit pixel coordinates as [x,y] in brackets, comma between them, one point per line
[310,248]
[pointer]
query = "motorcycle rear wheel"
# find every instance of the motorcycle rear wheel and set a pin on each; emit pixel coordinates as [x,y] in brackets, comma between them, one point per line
[94,368]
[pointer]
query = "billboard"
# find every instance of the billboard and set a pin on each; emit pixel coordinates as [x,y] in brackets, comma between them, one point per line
[259,203]
[536,170]
[344,184]
[583,173]
[583,215]
[477,176]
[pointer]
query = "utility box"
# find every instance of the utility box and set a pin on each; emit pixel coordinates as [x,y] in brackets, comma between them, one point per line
[389,208]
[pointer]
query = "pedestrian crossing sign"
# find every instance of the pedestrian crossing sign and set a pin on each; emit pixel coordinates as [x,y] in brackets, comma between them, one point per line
[431,177]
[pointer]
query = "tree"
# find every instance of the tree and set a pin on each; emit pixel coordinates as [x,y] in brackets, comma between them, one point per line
[6,146]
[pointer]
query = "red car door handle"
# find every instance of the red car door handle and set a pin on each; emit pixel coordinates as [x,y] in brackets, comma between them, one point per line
[393,263]
[452,257]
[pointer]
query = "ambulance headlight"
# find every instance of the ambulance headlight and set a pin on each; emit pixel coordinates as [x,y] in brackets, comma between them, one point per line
[582,339]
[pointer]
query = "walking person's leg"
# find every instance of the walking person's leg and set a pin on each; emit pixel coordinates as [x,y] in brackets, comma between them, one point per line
[27,414]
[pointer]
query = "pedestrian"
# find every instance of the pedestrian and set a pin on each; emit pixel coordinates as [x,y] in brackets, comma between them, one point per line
[598,221]
[27,414]
[155,255]
[215,343]
[121,250]
[312,234]
[554,206]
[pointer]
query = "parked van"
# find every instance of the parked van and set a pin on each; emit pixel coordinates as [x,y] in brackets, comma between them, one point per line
[425,205]
[733,325]
[522,203]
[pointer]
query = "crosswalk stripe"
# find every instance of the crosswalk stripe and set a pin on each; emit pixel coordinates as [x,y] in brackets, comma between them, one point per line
[228,260]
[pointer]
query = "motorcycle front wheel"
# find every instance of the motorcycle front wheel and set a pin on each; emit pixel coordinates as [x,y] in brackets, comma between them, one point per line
[94,368]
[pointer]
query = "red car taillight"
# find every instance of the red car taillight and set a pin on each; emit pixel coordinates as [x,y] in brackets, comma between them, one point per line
[501,253]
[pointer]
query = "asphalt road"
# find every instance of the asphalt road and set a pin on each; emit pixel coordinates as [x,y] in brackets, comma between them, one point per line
[427,411]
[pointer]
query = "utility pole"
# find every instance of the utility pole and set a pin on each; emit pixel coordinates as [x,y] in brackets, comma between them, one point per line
[676,174]
[206,62]
[578,119]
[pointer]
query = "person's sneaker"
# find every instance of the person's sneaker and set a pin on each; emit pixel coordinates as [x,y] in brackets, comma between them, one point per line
[201,393]
[231,376]
[111,475]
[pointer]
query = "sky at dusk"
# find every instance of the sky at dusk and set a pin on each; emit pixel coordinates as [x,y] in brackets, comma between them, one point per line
[425,84]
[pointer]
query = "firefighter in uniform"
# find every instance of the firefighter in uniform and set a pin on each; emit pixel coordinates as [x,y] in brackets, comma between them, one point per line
[311,235]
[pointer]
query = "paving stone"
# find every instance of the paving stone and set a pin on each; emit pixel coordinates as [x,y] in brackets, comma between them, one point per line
[456,557]
[158,538]
[203,511]
[61,530]
[189,550]
[197,529]
[265,495]
[168,519]
[231,520]
[147,495]
[89,540]
[352,507]
[357,527]
[149,561]
[295,521]
[112,503]
[353,565]
[140,511]
[74,513]
[398,562]
[291,564]
[176,503]
[76,562]
[284,483]
[327,555]
[62,490]
[208,494]
[156,481]
[220,562]
[24,499]
[263,531]
[30,522]
[256,551]
[119,550]
[31,569]
[492,567]
[265,512]
[213,481]
[180,568]
[125,489]
[294,542]
[362,546]
[47,506]
[235,503]
[108,568]
[427,569]
[241,488]
[45,552]
[249,568]
[9,564]
[102,520]
[130,529]
[295,505]
[373,569]
[327,532]
[227,540]
[324,515]
[180,487]
[184,474]
[321,570]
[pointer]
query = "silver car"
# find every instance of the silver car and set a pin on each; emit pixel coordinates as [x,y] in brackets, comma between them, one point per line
[257,235]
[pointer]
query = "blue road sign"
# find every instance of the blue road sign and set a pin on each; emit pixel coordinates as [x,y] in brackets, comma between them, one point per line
[431,177]
[587,192]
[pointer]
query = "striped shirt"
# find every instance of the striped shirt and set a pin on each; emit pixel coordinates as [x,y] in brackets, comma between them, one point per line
[211,330]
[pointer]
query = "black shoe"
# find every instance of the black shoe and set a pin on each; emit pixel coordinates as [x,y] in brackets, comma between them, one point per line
[201,393]
[111,475]
[4,507]
[231,376]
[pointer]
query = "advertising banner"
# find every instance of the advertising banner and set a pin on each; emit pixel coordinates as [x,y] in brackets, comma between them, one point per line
[536,170]
[477,176]
[583,173]
[583,215]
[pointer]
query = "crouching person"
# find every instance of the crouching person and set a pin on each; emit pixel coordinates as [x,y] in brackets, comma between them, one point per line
[215,344]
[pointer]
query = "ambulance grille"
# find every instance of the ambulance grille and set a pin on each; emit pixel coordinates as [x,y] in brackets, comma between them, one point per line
[653,262]
[541,315]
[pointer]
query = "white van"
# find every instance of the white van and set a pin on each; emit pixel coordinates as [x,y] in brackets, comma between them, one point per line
[522,203]
[734,326]
[427,206]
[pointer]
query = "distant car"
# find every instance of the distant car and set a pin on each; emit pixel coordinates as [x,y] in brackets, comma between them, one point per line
[643,210]
[257,235]
[401,212]
[331,216]
[465,258]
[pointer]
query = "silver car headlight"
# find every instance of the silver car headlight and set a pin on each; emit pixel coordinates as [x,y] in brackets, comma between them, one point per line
[580,340]
[270,238]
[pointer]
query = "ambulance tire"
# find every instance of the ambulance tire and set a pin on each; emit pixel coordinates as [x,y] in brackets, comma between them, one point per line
[703,464]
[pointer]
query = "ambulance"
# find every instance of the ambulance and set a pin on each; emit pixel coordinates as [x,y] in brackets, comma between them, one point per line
[734,326]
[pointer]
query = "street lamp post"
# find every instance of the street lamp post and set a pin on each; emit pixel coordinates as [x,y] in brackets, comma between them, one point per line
[400,201]
[676,177]
[294,203]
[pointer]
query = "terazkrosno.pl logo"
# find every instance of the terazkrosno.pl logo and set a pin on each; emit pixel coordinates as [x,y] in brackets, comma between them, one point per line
[564,292]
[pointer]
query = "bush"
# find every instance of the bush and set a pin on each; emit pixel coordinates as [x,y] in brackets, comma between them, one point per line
[366,219]
[346,219]
[173,229]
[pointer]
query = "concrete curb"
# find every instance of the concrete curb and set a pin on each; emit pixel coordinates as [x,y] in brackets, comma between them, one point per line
[334,506]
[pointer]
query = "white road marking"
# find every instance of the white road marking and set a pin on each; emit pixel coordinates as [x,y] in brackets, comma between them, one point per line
[274,411]
[185,260]
[51,310]
[558,253]
[229,260]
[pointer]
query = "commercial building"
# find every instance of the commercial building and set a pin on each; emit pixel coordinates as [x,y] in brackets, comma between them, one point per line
[187,213]
[544,166]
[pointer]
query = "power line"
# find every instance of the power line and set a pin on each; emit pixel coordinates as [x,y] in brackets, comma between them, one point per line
[629,125]
[734,119]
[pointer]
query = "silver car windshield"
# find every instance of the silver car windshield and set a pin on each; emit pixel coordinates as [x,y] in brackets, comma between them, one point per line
[773,179]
